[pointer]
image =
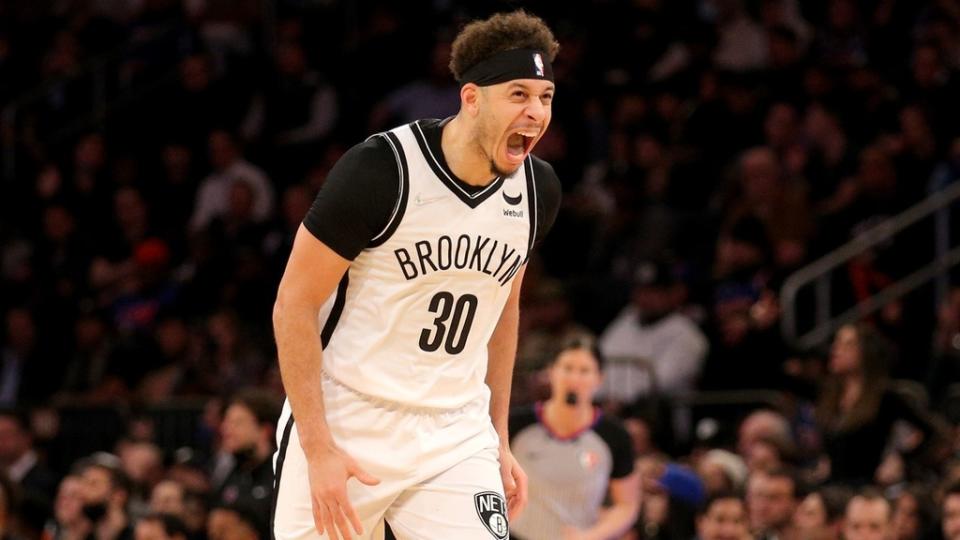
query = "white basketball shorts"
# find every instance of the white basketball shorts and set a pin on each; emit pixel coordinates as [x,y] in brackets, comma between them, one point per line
[439,471]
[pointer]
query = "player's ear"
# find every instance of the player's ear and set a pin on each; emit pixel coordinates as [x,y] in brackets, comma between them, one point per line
[470,98]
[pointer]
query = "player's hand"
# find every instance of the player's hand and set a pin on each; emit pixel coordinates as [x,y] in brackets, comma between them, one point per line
[328,473]
[514,484]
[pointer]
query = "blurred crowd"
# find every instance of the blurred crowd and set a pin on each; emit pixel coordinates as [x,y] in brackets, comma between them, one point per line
[157,157]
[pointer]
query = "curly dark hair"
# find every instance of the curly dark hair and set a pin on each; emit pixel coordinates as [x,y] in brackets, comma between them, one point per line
[480,40]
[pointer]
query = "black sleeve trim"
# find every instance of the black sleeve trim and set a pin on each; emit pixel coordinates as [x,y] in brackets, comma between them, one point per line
[404,189]
[531,204]
[548,192]
[336,312]
[621,447]
[358,199]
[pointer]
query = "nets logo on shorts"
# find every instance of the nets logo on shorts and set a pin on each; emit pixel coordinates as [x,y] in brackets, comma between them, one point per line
[492,512]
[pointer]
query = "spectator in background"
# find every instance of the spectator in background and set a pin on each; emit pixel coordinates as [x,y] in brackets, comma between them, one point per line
[88,366]
[856,408]
[68,521]
[820,515]
[294,204]
[197,103]
[742,44]
[950,510]
[142,462]
[912,509]
[945,368]
[546,325]
[672,494]
[294,113]
[233,523]
[232,359]
[777,201]
[652,330]
[433,96]
[763,424]
[248,433]
[106,492]
[574,457]
[160,527]
[20,462]
[868,517]
[196,513]
[21,365]
[88,189]
[8,510]
[772,498]
[722,472]
[723,517]
[746,347]
[170,183]
[168,497]
[229,166]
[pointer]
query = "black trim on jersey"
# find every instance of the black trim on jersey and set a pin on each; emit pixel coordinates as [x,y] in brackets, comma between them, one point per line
[335,313]
[531,204]
[358,198]
[447,177]
[281,455]
[401,205]
[548,193]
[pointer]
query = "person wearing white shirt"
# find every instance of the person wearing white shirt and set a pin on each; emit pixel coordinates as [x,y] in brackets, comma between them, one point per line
[651,331]
[229,166]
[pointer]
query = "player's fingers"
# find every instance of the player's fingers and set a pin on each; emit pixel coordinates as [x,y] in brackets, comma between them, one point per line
[514,507]
[509,484]
[363,476]
[328,522]
[517,500]
[341,521]
[319,519]
[521,482]
[347,509]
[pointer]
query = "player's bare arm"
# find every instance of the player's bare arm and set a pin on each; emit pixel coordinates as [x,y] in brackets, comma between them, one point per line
[502,352]
[312,274]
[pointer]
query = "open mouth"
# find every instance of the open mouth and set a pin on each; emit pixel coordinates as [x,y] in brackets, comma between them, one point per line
[519,142]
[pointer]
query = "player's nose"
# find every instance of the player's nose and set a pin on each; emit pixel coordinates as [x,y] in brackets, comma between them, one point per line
[535,110]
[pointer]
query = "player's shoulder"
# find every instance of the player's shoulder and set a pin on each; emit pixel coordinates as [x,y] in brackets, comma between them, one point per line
[374,150]
[370,161]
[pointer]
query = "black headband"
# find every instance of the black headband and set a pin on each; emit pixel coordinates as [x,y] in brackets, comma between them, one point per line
[509,65]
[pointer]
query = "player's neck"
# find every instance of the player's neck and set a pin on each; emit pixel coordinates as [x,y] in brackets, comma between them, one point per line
[464,157]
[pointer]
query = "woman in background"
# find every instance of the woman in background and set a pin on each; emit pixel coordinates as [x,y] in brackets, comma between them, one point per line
[857,407]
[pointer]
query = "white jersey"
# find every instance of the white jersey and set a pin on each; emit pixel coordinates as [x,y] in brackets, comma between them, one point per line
[412,317]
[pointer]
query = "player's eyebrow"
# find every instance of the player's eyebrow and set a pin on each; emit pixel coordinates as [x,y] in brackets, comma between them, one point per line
[524,86]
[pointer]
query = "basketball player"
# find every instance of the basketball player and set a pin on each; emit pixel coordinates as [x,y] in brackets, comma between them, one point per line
[396,318]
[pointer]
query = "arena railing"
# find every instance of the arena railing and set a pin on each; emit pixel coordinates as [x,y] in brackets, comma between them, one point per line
[819,273]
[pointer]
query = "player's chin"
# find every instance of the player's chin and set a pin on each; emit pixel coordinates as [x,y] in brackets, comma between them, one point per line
[501,168]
